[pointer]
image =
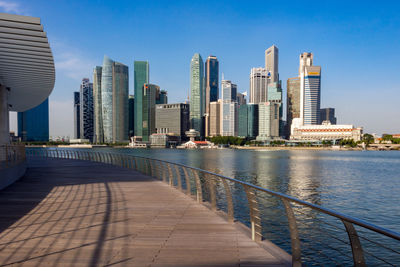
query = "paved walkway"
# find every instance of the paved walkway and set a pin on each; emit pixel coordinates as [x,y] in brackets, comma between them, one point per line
[77,213]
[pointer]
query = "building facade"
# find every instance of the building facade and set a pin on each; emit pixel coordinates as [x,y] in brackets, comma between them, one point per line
[141,75]
[211,77]
[172,119]
[312,95]
[120,91]
[131,103]
[327,131]
[33,124]
[229,91]
[271,63]
[197,93]
[97,106]
[292,100]
[148,110]
[215,118]
[258,85]
[229,120]
[252,121]
[241,98]
[77,115]
[268,121]
[114,101]
[161,97]
[243,121]
[327,114]
[86,110]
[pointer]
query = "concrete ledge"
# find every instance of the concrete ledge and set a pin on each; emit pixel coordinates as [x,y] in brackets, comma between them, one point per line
[10,175]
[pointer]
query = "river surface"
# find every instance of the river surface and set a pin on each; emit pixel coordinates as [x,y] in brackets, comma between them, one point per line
[363,184]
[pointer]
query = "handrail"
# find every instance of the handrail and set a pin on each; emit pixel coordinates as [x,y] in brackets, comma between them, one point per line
[167,171]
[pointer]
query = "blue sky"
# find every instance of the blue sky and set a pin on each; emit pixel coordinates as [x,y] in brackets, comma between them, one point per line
[355,42]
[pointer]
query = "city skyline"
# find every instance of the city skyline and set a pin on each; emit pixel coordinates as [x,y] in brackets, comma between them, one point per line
[346,60]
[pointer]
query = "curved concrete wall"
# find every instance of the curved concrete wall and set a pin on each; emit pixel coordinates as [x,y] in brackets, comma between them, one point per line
[12,174]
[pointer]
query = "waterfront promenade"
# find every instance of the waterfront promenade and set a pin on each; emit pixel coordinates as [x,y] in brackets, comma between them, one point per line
[81,213]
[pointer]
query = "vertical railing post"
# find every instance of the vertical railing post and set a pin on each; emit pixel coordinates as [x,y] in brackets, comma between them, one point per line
[255,219]
[187,179]
[212,190]
[178,177]
[199,192]
[229,200]
[294,234]
[171,178]
[356,248]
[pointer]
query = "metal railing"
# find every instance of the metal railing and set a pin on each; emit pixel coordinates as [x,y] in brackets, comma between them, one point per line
[11,155]
[224,193]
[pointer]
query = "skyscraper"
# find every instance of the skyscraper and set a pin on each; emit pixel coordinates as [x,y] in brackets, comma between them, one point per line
[243,120]
[107,99]
[131,115]
[211,78]
[120,111]
[275,96]
[114,101]
[141,76]
[292,100]
[258,85]
[33,124]
[268,121]
[172,119]
[215,118]
[86,110]
[197,94]
[271,63]
[252,120]
[148,110]
[312,95]
[77,115]
[98,117]
[241,98]
[229,91]
[211,88]
[229,119]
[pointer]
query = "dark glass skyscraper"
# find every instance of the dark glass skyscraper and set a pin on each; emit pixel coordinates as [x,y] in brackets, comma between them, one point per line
[86,110]
[77,115]
[211,77]
[141,76]
[148,110]
[33,124]
[131,115]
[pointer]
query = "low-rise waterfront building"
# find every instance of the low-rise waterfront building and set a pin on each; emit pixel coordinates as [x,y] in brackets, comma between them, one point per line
[327,131]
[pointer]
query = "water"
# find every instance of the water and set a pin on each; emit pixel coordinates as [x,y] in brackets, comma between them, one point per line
[363,184]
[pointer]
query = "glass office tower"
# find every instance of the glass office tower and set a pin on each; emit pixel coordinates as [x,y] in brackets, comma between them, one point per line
[140,76]
[120,104]
[33,124]
[106,99]
[97,117]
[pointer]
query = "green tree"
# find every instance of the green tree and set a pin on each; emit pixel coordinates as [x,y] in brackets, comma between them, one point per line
[368,139]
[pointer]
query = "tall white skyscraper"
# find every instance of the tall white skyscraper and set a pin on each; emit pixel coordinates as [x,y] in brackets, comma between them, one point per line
[258,85]
[229,118]
[310,92]
[197,93]
[271,63]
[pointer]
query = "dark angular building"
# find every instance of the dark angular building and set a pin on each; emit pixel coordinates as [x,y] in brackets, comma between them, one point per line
[327,114]
[252,120]
[77,115]
[33,124]
[292,101]
[161,97]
